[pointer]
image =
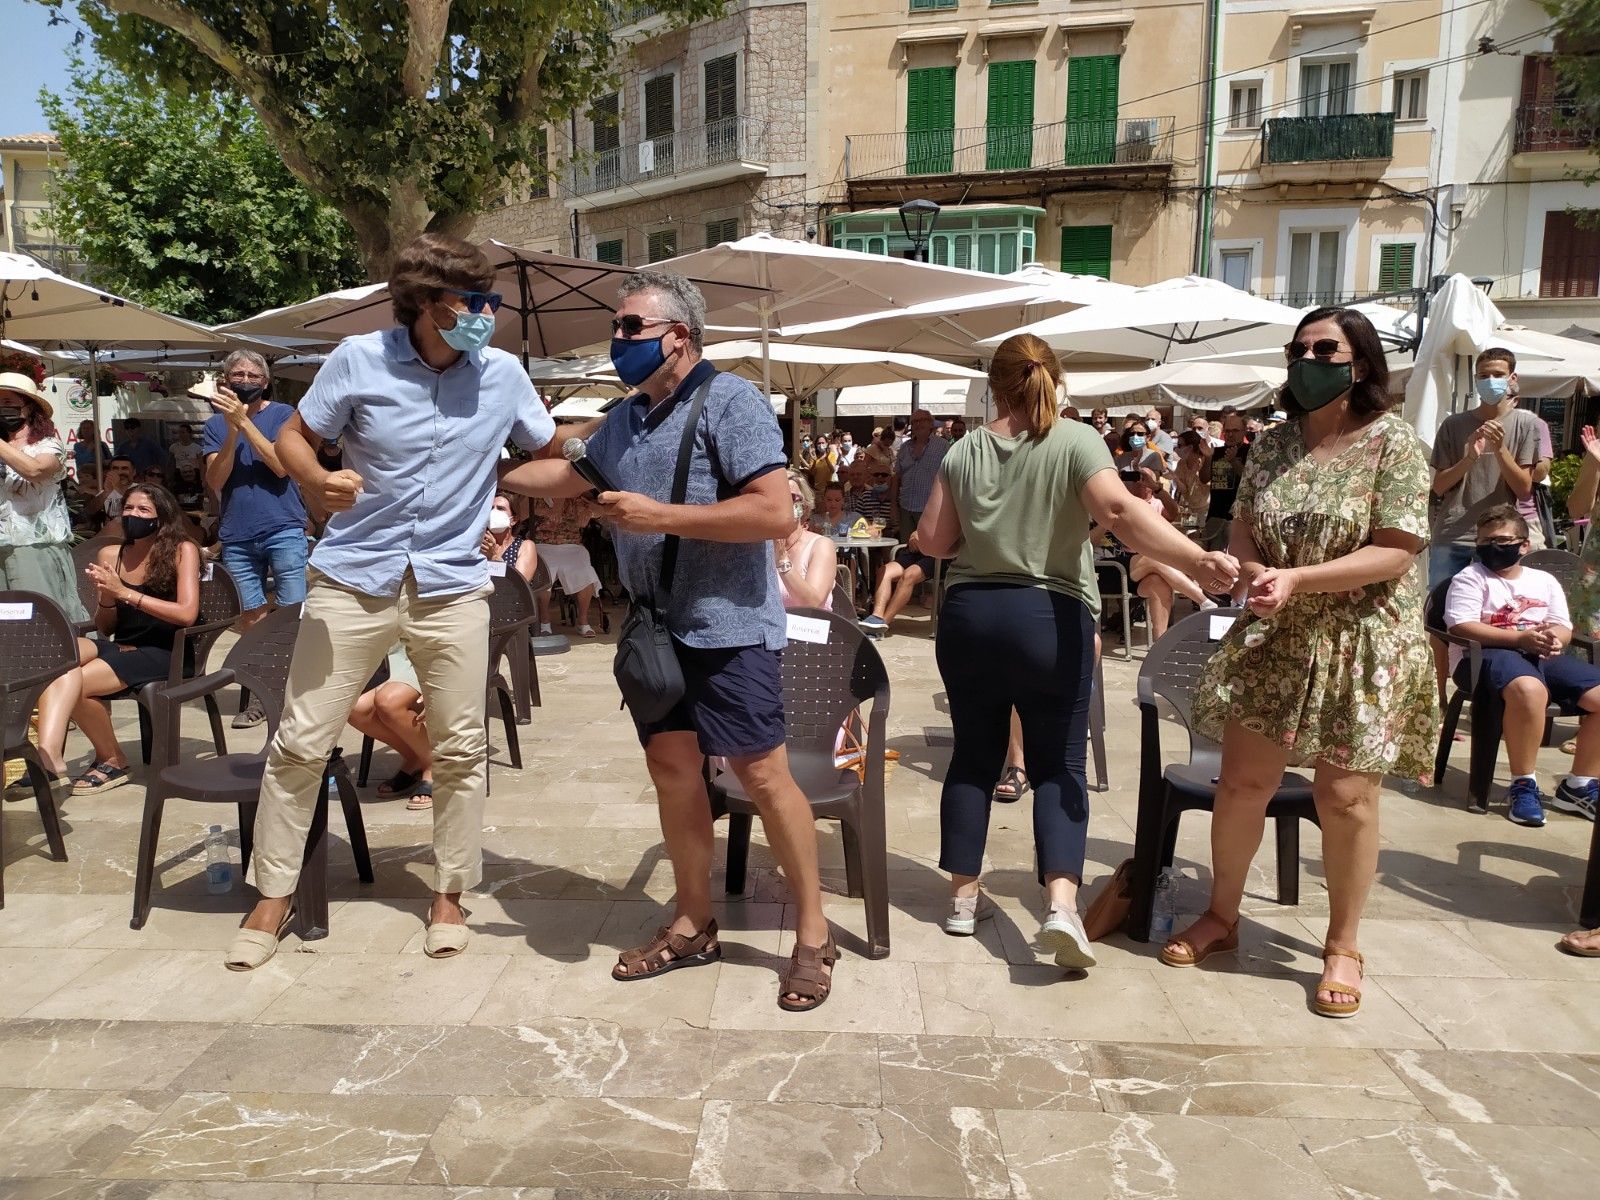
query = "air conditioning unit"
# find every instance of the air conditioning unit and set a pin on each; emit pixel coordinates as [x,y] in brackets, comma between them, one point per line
[1138,141]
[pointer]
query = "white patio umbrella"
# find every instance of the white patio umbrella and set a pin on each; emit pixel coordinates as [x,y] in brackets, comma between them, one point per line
[799,371]
[288,322]
[1461,321]
[1241,385]
[1168,321]
[53,312]
[553,304]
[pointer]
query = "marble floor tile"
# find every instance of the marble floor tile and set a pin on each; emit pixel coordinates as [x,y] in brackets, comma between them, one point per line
[1504,1014]
[1044,1001]
[580,1144]
[977,1072]
[189,923]
[535,989]
[1219,1008]
[1502,1088]
[148,1189]
[266,1136]
[1239,1081]
[1424,1162]
[171,985]
[1526,951]
[916,933]
[517,927]
[46,921]
[869,996]
[29,975]
[100,1055]
[735,1064]
[1131,1156]
[909,1151]
[748,928]
[71,1132]
[385,989]
[1431,949]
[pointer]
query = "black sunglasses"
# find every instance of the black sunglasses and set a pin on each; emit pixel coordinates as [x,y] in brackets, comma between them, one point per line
[478,301]
[1321,348]
[632,325]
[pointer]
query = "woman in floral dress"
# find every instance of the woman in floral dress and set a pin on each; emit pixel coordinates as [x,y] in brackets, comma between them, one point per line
[35,529]
[1330,664]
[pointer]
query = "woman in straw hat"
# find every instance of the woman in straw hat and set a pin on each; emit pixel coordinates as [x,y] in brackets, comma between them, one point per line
[35,529]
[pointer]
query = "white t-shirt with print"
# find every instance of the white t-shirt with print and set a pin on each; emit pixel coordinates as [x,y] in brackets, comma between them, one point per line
[1532,599]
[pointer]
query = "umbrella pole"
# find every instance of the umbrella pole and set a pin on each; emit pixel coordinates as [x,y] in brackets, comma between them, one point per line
[94,412]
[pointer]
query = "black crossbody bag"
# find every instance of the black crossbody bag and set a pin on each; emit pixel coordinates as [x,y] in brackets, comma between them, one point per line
[646,666]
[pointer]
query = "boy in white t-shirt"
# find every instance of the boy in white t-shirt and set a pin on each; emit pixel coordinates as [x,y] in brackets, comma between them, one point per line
[1519,615]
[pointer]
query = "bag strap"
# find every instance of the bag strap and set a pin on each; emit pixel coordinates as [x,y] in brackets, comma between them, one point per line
[680,491]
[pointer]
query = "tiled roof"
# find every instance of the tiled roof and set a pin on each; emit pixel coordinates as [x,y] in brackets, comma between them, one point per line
[29,141]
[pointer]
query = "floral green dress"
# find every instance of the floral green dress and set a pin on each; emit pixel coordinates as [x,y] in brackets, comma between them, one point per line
[1585,597]
[1342,677]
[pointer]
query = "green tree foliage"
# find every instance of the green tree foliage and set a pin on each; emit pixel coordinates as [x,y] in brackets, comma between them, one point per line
[1577,60]
[405,115]
[181,202]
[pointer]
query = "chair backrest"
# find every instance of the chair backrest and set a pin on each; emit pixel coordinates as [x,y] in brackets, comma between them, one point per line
[824,682]
[1172,666]
[511,603]
[1433,609]
[842,604]
[260,659]
[219,602]
[83,554]
[1566,566]
[542,580]
[39,640]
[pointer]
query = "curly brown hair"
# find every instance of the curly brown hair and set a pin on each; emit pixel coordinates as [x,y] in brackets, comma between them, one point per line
[161,567]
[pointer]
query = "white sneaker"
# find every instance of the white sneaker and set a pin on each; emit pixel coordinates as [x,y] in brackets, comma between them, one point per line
[545,630]
[966,912]
[1063,932]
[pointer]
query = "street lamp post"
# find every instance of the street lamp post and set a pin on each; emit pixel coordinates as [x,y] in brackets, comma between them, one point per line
[917,218]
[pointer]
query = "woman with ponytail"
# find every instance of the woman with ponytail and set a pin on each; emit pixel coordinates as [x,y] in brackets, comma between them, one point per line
[146,590]
[1012,506]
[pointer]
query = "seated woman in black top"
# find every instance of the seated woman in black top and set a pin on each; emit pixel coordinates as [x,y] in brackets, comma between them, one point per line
[147,589]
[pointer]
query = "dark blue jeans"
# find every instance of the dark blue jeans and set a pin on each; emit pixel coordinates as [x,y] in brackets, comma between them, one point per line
[1001,647]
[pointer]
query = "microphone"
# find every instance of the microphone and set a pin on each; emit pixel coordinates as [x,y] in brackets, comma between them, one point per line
[576,453]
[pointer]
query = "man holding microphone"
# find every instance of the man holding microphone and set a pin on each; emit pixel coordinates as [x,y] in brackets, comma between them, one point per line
[422,410]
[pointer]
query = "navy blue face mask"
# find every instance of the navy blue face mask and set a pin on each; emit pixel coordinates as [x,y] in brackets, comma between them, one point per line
[636,359]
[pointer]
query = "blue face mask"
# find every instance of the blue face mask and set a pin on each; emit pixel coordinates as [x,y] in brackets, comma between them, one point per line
[636,360]
[1136,441]
[471,331]
[1493,389]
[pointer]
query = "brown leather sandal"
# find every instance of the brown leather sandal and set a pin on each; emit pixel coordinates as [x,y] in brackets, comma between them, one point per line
[668,951]
[1181,952]
[805,977]
[1339,1008]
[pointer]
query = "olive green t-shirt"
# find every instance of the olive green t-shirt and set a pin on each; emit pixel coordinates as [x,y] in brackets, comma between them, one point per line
[1022,515]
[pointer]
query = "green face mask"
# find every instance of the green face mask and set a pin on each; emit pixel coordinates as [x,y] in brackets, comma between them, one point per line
[1314,384]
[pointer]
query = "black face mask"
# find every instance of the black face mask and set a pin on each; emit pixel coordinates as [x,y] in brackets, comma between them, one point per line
[10,421]
[247,392]
[134,528]
[1497,557]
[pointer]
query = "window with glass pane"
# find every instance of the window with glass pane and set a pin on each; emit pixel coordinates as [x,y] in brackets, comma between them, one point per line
[930,5]
[1244,106]
[1325,88]
[1397,266]
[663,244]
[1315,258]
[609,251]
[1411,96]
[1236,268]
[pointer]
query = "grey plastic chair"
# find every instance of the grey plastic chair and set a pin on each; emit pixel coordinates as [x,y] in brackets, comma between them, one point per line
[512,612]
[1169,673]
[823,684]
[35,651]
[1121,590]
[259,660]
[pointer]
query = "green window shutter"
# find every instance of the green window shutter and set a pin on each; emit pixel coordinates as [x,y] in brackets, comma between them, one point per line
[607,125]
[1397,266]
[1010,118]
[930,5]
[660,121]
[726,230]
[662,244]
[1092,109]
[609,252]
[930,119]
[1086,250]
[722,108]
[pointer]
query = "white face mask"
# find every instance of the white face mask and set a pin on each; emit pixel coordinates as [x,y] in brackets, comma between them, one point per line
[499,521]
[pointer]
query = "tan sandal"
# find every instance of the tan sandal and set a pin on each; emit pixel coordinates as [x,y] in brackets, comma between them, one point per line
[252,948]
[805,977]
[668,951]
[1569,944]
[1181,952]
[1339,1008]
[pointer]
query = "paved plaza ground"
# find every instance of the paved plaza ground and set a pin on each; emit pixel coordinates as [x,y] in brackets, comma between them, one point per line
[132,1064]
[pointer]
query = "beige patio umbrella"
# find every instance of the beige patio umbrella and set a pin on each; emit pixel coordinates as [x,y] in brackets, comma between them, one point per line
[800,370]
[288,323]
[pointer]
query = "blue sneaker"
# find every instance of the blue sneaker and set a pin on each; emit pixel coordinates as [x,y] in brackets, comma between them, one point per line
[1526,804]
[1580,802]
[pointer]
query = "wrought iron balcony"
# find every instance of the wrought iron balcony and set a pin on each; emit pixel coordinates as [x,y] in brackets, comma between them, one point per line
[629,12]
[1558,127]
[726,143]
[1131,142]
[1344,137]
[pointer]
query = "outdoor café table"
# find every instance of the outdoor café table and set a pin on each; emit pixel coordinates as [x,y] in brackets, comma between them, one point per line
[860,551]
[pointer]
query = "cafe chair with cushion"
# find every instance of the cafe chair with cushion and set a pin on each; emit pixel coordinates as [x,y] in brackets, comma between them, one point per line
[37,647]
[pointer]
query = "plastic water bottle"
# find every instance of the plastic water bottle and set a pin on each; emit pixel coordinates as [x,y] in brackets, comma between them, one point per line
[219,867]
[1165,909]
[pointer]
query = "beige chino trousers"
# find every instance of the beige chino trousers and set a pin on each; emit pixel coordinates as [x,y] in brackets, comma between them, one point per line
[344,635]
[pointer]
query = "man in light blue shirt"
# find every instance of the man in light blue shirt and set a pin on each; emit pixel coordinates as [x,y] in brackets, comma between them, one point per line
[916,467]
[422,411]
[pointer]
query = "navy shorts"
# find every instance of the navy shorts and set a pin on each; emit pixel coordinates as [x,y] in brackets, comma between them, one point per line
[732,701]
[1566,678]
[908,558]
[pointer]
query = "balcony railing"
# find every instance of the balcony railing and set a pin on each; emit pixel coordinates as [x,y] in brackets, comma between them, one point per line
[1561,126]
[734,139]
[1339,138]
[1062,145]
[629,12]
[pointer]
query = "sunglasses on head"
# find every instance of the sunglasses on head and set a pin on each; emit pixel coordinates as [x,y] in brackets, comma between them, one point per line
[478,301]
[632,325]
[1321,348]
